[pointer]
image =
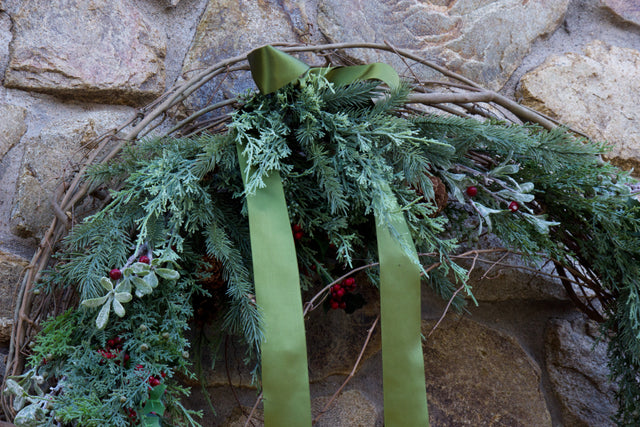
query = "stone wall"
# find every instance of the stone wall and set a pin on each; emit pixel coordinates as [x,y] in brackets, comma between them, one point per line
[71,69]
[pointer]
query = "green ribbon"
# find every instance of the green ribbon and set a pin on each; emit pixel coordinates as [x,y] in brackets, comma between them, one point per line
[285,377]
[273,69]
[405,397]
[284,374]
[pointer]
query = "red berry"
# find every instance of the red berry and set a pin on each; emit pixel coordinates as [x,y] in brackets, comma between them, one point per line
[144,259]
[298,235]
[514,206]
[343,305]
[153,381]
[340,293]
[349,281]
[296,228]
[115,274]
[472,191]
[335,304]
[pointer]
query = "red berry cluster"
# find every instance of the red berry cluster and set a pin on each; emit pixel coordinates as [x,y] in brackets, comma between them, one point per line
[153,380]
[113,350]
[298,234]
[132,415]
[339,290]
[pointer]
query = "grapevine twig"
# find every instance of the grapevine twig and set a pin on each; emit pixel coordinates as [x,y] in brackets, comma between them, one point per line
[352,373]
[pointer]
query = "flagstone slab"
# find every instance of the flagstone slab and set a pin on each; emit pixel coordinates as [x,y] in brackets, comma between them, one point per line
[101,51]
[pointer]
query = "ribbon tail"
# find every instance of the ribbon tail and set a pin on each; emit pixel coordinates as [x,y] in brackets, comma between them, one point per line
[285,377]
[403,376]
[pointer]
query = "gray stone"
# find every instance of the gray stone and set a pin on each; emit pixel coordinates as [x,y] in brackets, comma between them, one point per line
[479,376]
[596,93]
[483,40]
[54,153]
[627,10]
[497,277]
[5,38]
[334,341]
[11,269]
[98,50]
[12,127]
[229,28]
[6,327]
[577,365]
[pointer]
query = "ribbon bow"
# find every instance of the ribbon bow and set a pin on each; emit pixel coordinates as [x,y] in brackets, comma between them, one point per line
[285,379]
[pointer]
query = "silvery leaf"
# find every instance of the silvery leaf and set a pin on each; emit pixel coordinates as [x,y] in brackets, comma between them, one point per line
[140,268]
[94,302]
[151,279]
[118,308]
[123,297]
[167,273]
[103,316]
[106,283]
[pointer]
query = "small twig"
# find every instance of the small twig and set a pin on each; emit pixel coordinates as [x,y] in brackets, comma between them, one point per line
[446,309]
[253,409]
[352,373]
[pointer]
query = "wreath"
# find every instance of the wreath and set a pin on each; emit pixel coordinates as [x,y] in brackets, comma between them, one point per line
[321,173]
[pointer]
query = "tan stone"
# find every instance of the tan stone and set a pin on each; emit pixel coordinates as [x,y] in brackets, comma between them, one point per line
[627,10]
[49,156]
[98,50]
[11,270]
[597,93]
[578,372]
[478,376]
[484,40]
[350,409]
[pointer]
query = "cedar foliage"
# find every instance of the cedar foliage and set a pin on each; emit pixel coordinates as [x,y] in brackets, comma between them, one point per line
[182,200]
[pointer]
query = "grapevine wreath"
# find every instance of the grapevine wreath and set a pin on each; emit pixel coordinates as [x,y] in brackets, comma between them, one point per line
[320,173]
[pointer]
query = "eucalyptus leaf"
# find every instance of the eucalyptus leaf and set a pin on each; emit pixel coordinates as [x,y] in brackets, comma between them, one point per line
[485,211]
[140,268]
[142,287]
[167,273]
[103,316]
[124,286]
[118,308]
[94,302]
[13,387]
[18,402]
[29,416]
[542,225]
[505,170]
[106,283]
[516,195]
[527,187]
[123,297]
[151,279]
